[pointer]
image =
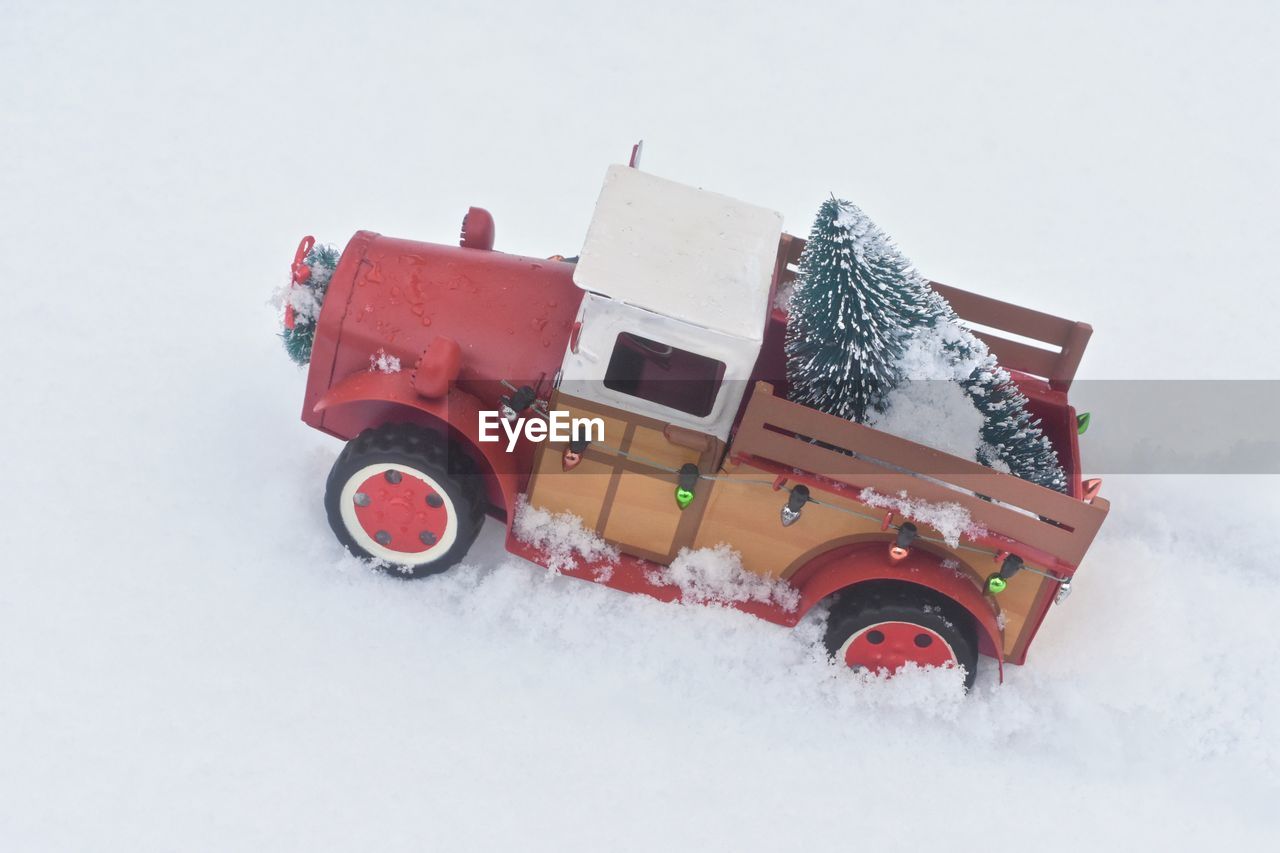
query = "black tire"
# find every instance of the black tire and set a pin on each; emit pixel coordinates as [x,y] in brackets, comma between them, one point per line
[870,604]
[442,469]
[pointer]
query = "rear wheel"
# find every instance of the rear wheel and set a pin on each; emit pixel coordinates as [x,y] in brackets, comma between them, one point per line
[405,497]
[886,625]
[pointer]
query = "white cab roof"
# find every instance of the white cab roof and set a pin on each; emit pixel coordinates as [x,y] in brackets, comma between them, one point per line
[677,250]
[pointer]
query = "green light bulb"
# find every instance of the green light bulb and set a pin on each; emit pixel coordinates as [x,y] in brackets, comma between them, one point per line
[684,497]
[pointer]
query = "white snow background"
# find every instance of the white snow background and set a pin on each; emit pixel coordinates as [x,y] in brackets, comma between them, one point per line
[189,662]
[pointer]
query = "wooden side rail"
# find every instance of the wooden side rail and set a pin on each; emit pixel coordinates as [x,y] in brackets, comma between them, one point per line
[793,435]
[1066,339]
[1069,337]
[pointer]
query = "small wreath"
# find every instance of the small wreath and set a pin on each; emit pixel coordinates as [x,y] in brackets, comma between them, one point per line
[313,266]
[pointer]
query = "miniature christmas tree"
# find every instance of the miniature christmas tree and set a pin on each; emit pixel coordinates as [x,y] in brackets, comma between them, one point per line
[1010,436]
[860,318]
[855,297]
[1011,439]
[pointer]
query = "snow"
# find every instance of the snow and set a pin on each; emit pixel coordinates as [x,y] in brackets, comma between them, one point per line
[716,575]
[934,353]
[951,520]
[187,661]
[306,299]
[937,414]
[929,407]
[866,237]
[561,536]
[382,362]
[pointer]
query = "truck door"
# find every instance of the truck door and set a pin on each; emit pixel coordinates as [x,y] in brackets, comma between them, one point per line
[650,396]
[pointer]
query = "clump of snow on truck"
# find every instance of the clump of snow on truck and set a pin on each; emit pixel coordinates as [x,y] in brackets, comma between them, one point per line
[951,520]
[562,537]
[306,301]
[703,575]
[716,575]
[930,407]
[382,362]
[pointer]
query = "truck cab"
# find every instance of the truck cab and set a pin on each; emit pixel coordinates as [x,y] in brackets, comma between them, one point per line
[676,284]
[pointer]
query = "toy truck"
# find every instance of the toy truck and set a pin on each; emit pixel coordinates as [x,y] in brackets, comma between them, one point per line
[665,333]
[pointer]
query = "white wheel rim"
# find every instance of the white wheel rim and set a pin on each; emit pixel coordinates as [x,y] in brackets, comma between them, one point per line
[347,508]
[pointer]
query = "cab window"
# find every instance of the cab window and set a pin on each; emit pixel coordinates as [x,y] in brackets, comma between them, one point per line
[663,374]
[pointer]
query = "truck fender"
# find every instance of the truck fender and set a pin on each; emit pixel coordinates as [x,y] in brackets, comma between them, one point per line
[456,410]
[853,564]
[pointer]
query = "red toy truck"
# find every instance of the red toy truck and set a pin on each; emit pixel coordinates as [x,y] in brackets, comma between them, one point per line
[665,335]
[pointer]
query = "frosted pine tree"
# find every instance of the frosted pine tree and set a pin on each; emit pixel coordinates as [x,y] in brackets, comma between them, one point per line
[1011,437]
[860,318]
[855,297]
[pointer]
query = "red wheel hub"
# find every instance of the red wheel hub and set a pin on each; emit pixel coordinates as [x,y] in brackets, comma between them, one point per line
[892,645]
[401,512]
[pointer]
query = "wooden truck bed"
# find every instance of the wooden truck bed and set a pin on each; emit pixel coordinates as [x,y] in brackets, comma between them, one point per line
[838,459]
[1058,527]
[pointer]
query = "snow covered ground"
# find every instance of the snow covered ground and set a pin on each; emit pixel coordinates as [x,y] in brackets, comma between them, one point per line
[188,661]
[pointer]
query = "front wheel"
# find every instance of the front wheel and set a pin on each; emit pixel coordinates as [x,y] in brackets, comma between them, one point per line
[406,498]
[886,625]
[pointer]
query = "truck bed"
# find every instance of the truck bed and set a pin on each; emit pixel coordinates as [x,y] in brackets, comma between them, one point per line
[1041,353]
[1055,530]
